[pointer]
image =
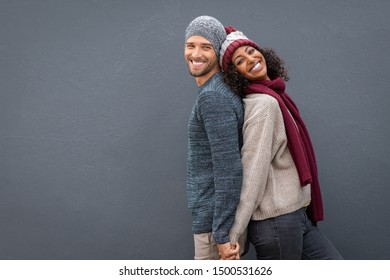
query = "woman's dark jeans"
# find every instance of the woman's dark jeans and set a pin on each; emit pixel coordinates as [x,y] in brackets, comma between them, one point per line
[290,237]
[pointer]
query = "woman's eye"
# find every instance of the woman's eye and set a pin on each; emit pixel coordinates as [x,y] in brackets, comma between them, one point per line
[251,51]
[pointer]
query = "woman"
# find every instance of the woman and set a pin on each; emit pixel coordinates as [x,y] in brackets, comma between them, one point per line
[280,200]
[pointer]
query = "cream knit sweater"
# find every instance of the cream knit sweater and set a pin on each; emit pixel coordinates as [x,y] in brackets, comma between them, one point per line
[271,184]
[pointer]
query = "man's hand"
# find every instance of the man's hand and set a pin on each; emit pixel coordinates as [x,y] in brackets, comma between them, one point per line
[229,251]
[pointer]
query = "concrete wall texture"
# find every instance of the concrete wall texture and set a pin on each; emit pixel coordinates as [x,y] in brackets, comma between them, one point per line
[94,103]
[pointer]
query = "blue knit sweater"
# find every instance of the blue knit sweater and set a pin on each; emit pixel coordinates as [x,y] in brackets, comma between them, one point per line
[214,164]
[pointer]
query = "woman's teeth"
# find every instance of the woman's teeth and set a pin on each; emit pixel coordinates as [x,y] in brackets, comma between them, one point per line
[256,67]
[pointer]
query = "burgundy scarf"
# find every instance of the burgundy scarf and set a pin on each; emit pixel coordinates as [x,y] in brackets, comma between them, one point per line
[299,142]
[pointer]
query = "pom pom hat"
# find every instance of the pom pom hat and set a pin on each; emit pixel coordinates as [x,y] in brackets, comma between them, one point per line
[233,41]
[209,28]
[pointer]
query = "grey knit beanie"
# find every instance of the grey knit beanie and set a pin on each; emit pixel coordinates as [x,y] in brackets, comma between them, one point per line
[209,28]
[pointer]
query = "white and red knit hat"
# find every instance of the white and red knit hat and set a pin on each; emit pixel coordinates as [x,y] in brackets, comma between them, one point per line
[233,41]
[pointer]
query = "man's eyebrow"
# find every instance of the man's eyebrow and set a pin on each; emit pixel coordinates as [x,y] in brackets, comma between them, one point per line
[202,44]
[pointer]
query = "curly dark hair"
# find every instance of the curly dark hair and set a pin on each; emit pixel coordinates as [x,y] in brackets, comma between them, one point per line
[276,67]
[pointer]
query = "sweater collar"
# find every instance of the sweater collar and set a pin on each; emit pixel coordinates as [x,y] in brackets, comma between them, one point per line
[212,78]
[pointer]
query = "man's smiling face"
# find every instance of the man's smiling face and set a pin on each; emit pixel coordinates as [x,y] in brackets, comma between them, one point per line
[201,59]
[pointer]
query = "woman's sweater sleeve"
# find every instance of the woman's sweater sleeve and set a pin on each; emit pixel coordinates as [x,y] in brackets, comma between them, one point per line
[256,161]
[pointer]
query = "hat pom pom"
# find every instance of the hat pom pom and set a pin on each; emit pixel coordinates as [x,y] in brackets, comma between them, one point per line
[229,29]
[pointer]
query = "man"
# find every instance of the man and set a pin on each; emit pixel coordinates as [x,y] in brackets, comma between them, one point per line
[214,175]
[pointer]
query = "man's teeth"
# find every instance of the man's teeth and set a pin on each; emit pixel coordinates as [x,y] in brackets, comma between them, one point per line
[197,62]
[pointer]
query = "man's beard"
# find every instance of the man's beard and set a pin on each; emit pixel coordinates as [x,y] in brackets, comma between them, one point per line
[203,72]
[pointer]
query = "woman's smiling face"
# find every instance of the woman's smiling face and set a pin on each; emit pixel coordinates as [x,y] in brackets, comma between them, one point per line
[250,63]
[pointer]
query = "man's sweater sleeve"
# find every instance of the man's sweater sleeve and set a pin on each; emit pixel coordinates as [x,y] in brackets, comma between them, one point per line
[221,124]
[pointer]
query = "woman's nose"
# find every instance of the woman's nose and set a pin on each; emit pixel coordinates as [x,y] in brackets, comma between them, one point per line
[251,59]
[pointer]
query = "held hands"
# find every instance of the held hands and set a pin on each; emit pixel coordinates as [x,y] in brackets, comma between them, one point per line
[229,251]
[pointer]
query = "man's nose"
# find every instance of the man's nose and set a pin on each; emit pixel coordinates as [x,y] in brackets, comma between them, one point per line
[197,52]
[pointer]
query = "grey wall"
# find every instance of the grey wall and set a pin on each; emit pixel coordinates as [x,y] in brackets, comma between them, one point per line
[94,103]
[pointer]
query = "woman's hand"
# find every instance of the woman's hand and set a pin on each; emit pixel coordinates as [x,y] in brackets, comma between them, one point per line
[229,251]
